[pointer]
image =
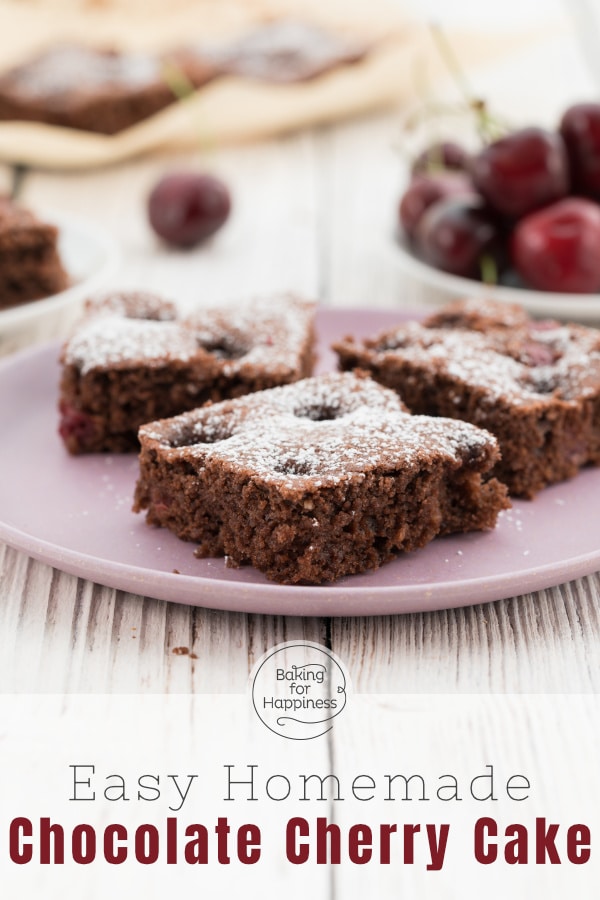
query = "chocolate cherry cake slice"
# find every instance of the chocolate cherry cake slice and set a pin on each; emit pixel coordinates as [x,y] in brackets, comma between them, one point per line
[283,51]
[30,263]
[98,90]
[133,359]
[534,384]
[316,480]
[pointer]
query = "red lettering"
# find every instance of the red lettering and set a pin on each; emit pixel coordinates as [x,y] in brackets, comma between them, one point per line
[51,834]
[385,832]
[20,851]
[196,851]
[112,854]
[579,840]
[248,844]
[83,844]
[437,848]
[328,843]
[485,852]
[544,843]
[171,841]
[295,851]
[515,852]
[360,844]
[146,844]
[409,843]
[222,831]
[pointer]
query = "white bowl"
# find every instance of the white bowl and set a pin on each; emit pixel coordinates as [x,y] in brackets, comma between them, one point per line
[89,256]
[435,286]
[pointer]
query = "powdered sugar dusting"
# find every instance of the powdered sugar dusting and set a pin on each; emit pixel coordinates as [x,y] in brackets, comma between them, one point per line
[111,340]
[283,50]
[264,333]
[518,366]
[61,70]
[478,313]
[319,432]
[132,305]
[267,335]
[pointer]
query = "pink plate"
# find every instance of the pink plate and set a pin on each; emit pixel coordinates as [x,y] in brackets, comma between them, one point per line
[75,513]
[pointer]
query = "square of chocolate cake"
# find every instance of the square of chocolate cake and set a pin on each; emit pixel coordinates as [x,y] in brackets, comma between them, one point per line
[534,384]
[313,481]
[86,88]
[280,51]
[133,358]
[30,264]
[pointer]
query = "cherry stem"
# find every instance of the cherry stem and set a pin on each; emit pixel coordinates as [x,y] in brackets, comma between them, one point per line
[489,269]
[183,89]
[447,53]
[177,81]
[488,127]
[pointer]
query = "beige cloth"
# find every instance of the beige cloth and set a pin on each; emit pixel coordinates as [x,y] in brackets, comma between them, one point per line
[229,109]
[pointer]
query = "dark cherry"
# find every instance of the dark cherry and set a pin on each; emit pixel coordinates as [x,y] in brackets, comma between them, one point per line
[427,189]
[580,129]
[75,427]
[534,353]
[558,248]
[443,155]
[185,208]
[522,172]
[454,235]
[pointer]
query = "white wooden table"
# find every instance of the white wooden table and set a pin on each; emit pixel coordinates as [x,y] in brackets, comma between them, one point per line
[311,212]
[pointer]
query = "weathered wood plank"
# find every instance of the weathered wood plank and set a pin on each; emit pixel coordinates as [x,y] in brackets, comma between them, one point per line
[548,641]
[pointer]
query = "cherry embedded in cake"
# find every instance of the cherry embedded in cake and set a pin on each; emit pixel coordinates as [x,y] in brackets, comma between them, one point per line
[316,480]
[534,384]
[134,358]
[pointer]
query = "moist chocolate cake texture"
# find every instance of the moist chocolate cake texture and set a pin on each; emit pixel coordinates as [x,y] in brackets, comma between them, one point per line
[30,264]
[133,358]
[534,384]
[313,481]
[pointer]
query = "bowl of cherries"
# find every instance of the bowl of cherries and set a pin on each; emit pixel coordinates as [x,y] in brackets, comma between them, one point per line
[518,219]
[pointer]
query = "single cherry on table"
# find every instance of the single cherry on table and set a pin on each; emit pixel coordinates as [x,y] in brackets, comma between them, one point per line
[186,208]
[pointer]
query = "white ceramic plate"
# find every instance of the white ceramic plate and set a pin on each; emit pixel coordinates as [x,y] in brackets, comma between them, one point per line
[89,255]
[439,287]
